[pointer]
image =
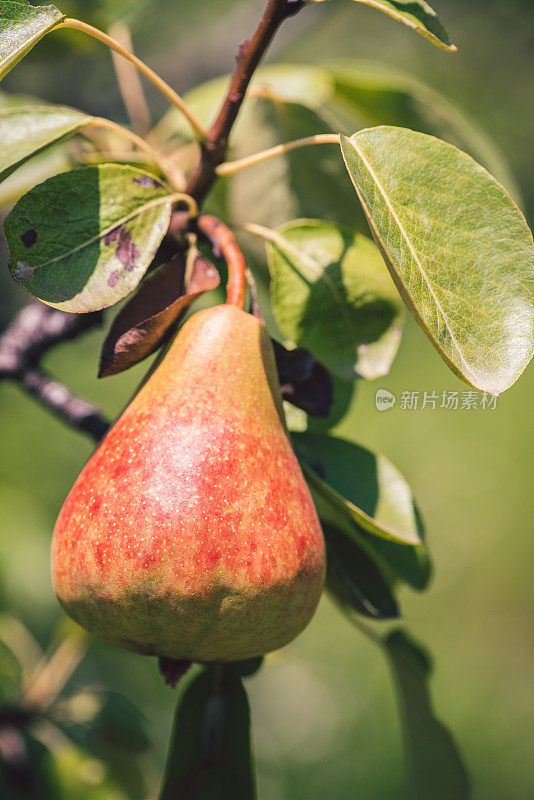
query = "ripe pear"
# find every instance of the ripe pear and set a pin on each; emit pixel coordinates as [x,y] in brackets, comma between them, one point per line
[191,533]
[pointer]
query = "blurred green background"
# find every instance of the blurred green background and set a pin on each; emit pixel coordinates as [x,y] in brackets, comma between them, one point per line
[324,713]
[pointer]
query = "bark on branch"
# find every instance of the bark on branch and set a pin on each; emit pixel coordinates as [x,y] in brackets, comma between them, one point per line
[249,54]
[33,332]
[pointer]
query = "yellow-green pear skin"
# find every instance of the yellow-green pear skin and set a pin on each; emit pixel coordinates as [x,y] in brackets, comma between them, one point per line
[191,532]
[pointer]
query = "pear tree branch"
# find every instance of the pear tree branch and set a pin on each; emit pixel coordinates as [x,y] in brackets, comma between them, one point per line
[33,332]
[248,56]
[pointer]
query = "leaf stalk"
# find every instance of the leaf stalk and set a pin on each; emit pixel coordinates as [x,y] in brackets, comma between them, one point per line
[172,96]
[231,167]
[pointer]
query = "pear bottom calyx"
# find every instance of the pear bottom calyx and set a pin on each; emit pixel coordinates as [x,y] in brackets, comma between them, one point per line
[191,534]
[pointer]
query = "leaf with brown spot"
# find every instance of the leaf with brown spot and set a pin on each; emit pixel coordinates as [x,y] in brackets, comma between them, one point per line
[150,316]
[83,240]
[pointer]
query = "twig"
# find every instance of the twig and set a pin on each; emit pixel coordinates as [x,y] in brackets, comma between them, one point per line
[34,331]
[248,56]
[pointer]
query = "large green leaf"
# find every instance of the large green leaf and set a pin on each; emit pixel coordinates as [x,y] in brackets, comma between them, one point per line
[21,27]
[84,239]
[210,751]
[435,769]
[28,130]
[457,246]
[352,484]
[369,93]
[418,15]
[332,294]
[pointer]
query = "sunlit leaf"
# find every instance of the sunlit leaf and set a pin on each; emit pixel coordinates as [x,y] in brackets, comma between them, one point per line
[210,750]
[84,239]
[332,294]
[29,130]
[152,313]
[369,93]
[21,27]
[435,768]
[457,246]
[363,495]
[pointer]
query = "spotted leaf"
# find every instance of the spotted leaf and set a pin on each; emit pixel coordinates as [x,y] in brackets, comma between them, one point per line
[83,240]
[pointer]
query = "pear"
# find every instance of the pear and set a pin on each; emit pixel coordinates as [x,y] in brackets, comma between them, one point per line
[191,533]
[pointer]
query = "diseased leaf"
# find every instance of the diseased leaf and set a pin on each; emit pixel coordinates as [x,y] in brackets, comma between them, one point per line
[435,768]
[364,496]
[418,15]
[210,744]
[24,132]
[332,294]
[151,315]
[354,579]
[21,27]
[83,240]
[457,246]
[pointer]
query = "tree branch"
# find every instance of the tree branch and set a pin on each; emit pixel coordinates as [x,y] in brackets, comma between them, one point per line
[248,56]
[34,331]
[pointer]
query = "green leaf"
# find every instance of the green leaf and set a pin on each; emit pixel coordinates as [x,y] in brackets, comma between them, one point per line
[29,130]
[418,15]
[83,240]
[369,93]
[363,495]
[354,579]
[435,768]
[210,751]
[457,246]
[44,165]
[21,27]
[332,294]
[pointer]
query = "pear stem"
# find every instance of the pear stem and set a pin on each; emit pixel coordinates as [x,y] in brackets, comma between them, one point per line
[224,244]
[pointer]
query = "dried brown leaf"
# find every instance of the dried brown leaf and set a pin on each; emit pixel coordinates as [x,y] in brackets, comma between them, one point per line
[149,318]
